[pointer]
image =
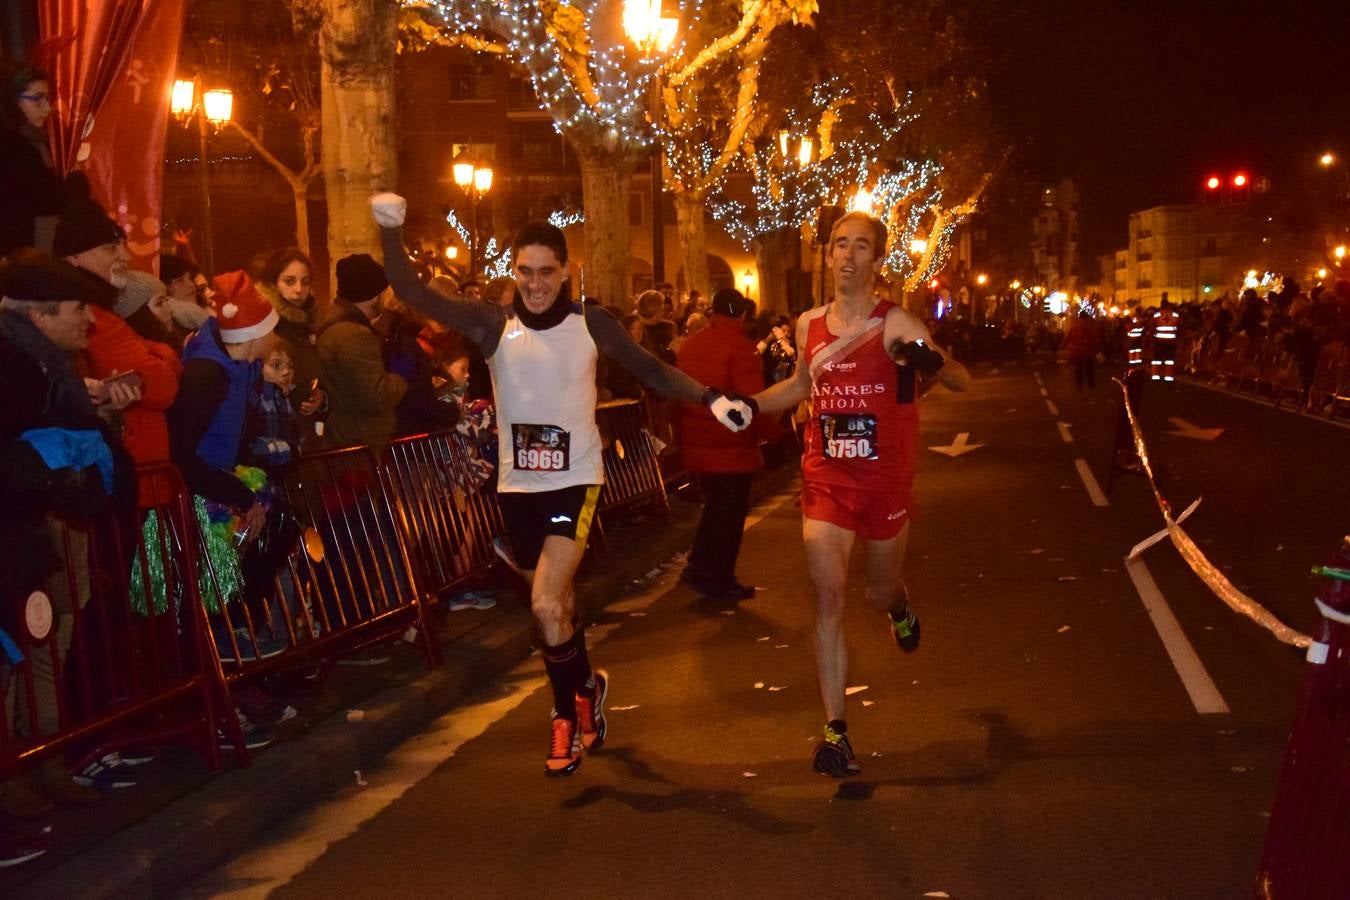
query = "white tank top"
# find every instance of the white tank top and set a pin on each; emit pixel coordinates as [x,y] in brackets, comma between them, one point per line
[544,382]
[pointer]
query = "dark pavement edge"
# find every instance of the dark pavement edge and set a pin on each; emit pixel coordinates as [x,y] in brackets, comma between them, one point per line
[202,831]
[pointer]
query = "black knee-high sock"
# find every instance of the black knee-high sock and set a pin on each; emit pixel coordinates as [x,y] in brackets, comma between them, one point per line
[568,671]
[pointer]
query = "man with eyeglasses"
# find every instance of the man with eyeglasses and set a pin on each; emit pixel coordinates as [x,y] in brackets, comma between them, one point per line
[30,190]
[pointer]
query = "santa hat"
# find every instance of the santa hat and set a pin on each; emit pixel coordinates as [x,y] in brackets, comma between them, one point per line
[241,312]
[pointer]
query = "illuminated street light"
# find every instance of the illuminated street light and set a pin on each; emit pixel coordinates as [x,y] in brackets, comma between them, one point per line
[861,202]
[650,31]
[653,34]
[452,252]
[476,181]
[1339,251]
[1326,160]
[1016,285]
[981,279]
[1322,272]
[213,110]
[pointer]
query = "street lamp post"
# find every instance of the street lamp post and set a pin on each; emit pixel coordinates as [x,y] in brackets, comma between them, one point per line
[475,181]
[653,34]
[211,109]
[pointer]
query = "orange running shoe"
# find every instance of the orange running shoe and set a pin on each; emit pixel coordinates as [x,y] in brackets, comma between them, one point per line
[564,749]
[591,711]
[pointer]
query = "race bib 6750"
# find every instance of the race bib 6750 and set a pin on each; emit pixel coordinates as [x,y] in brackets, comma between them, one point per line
[848,436]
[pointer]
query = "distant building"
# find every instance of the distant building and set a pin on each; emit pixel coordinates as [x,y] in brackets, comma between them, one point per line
[1054,238]
[1188,252]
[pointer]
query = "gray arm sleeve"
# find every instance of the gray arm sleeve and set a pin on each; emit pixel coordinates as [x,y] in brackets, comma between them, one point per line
[474,319]
[614,342]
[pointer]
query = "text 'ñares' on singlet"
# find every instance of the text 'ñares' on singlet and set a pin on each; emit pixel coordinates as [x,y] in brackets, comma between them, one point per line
[860,434]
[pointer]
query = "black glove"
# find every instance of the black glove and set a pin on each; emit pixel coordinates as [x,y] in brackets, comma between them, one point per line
[918,354]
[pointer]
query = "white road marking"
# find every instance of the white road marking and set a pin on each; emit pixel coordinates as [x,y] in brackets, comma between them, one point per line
[1203,692]
[1044,392]
[1090,482]
[1064,432]
[1050,405]
[304,838]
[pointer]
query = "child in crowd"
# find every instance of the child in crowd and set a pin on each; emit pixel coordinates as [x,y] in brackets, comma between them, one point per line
[272,435]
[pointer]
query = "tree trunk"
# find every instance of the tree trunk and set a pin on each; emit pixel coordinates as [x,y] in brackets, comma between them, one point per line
[604,185]
[300,192]
[775,253]
[358,44]
[689,213]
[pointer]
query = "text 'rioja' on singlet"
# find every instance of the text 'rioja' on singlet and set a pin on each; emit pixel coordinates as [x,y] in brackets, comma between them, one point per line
[859,434]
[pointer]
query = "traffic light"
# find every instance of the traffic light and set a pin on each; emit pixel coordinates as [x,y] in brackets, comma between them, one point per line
[1213,192]
[1240,187]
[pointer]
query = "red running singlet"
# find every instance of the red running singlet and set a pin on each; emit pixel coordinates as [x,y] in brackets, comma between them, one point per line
[859,434]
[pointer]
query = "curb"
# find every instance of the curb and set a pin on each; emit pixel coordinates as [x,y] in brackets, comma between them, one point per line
[200,832]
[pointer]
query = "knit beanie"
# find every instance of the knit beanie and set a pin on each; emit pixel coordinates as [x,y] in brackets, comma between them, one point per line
[242,313]
[140,288]
[729,302]
[360,278]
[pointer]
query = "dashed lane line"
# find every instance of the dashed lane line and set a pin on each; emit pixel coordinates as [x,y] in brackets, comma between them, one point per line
[1090,482]
[1064,432]
[1204,694]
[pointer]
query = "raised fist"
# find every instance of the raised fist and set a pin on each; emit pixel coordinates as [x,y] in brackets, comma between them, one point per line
[389,209]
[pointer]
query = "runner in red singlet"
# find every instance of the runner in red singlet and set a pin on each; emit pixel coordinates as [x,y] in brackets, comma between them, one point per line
[863,359]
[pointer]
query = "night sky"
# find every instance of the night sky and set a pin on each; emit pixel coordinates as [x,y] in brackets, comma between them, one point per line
[1138,101]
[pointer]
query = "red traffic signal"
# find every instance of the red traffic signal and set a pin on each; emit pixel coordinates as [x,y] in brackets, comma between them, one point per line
[1213,193]
[1240,187]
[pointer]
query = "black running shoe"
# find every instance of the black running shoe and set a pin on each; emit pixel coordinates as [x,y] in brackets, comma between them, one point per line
[834,755]
[905,630]
[591,711]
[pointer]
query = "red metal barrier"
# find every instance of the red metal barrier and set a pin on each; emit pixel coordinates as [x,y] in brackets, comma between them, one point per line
[346,584]
[103,669]
[632,474]
[1307,850]
[154,662]
[449,508]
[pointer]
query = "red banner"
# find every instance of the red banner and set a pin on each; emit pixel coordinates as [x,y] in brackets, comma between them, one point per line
[113,70]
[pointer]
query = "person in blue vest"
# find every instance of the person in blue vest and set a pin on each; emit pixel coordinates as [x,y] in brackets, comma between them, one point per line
[222,367]
[542,352]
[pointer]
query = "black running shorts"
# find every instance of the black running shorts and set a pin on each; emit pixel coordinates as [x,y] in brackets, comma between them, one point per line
[531,517]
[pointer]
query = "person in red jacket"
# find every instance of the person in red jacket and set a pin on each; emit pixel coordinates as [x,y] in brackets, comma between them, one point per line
[88,239]
[1081,346]
[723,460]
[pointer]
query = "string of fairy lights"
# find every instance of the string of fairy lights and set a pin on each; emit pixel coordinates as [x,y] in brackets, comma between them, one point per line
[496,255]
[600,91]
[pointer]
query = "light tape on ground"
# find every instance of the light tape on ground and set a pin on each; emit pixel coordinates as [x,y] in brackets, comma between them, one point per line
[1215,580]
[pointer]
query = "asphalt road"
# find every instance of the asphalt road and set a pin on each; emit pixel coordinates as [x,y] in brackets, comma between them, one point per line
[1041,742]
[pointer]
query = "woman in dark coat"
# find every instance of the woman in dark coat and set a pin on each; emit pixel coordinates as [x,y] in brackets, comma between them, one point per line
[30,189]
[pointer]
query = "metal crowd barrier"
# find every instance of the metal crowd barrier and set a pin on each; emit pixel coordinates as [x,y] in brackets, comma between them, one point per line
[352,554]
[346,579]
[632,473]
[663,422]
[1264,368]
[103,669]
[449,507]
